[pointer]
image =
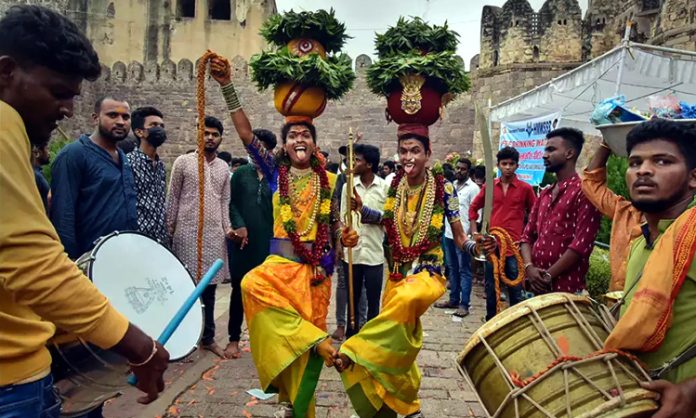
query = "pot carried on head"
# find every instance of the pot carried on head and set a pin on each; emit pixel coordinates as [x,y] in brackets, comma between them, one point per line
[545,357]
[304,65]
[416,102]
[295,99]
[418,72]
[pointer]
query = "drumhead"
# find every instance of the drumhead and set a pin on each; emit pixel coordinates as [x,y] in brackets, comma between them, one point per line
[147,283]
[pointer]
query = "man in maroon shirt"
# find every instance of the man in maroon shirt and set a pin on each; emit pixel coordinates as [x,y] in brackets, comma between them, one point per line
[513,199]
[560,234]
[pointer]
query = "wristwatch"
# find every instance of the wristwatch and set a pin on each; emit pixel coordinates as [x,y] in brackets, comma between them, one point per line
[547,275]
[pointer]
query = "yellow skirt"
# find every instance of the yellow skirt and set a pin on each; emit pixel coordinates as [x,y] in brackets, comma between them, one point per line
[385,379]
[286,317]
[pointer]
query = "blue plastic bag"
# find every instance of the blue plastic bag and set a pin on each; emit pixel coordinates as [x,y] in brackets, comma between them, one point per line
[687,111]
[612,110]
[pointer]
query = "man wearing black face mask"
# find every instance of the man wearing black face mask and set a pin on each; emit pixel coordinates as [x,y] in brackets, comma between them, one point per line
[149,173]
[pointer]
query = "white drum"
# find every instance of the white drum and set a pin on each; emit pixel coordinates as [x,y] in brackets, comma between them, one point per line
[148,284]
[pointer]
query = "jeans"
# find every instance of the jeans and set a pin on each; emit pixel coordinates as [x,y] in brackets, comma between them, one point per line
[368,278]
[30,400]
[458,273]
[342,297]
[514,293]
[208,301]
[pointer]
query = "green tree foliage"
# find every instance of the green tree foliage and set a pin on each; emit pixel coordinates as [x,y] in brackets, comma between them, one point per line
[599,273]
[54,148]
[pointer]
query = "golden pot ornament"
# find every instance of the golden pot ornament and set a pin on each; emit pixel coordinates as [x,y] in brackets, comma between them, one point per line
[304,46]
[295,99]
[415,102]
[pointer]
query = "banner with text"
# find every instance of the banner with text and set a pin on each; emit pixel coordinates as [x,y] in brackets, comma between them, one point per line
[529,137]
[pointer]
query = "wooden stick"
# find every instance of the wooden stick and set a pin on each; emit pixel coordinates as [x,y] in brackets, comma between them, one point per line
[349,222]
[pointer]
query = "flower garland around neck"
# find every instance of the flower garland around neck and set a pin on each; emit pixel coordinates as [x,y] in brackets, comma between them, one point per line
[314,255]
[405,254]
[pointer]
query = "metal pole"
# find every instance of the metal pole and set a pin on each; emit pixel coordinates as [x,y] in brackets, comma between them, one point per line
[622,60]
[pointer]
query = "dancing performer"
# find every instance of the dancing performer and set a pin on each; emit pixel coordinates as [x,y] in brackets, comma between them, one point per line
[378,364]
[286,299]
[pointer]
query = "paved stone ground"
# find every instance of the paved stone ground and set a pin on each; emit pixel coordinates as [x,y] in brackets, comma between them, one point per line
[209,387]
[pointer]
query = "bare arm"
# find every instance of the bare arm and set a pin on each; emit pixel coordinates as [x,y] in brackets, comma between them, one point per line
[221,71]
[568,260]
[600,158]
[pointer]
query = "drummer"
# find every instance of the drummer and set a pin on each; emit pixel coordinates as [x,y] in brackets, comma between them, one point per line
[657,320]
[43,59]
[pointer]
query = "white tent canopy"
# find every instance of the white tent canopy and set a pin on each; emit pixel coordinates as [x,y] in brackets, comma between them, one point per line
[636,71]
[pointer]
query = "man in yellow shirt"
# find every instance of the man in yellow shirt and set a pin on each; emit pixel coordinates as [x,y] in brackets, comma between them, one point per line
[43,60]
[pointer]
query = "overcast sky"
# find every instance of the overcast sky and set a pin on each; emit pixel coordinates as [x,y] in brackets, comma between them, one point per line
[365,17]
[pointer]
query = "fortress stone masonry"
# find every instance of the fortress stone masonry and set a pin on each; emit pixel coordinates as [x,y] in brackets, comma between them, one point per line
[149,47]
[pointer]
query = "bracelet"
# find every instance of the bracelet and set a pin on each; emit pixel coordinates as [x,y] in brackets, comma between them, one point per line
[604,145]
[231,98]
[548,275]
[152,355]
[526,265]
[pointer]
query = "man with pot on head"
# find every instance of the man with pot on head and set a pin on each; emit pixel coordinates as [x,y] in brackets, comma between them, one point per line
[380,361]
[182,219]
[43,59]
[289,293]
[92,188]
[657,317]
[149,173]
[378,364]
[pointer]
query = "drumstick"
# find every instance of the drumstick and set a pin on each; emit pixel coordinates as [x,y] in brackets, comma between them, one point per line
[185,308]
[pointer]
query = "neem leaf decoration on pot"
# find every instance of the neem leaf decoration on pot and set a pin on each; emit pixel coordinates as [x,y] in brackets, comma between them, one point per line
[304,64]
[417,70]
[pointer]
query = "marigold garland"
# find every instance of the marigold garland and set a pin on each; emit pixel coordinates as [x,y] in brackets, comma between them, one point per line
[321,241]
[401,254]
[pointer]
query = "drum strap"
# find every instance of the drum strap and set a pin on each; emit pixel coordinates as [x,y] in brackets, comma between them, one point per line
[682,358]
[615,309]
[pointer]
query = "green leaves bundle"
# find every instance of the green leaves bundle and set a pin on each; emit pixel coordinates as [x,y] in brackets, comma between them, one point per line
[415,34]
[320,25]
[444,72]
[416,47]
[334,74]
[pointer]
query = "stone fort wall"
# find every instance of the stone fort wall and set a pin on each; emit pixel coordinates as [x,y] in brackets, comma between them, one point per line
[522,48]
[170,87]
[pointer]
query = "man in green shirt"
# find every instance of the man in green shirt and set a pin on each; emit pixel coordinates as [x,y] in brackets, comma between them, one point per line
[251,215]
[661,178]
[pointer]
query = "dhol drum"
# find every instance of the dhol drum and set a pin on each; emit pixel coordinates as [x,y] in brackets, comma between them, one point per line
[148,284]
[544,357]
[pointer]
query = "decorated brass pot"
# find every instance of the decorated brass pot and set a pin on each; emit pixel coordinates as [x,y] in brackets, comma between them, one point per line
[415,102]
[295,99]
[304,46]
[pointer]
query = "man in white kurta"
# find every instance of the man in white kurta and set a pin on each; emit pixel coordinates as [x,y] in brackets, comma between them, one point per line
[182,219]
